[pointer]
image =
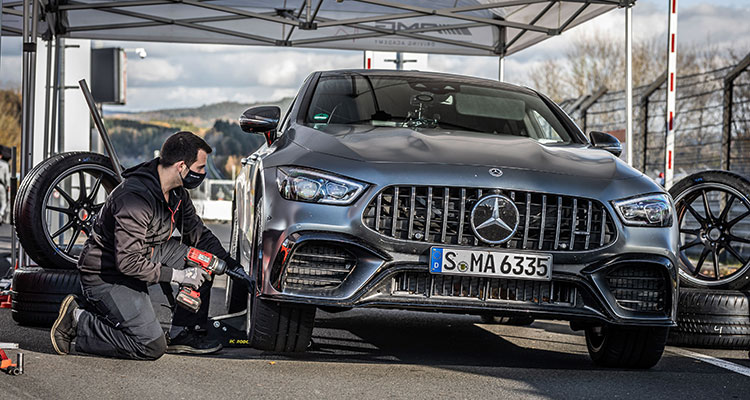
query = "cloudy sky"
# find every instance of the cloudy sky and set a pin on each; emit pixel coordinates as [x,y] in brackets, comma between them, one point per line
[180,75]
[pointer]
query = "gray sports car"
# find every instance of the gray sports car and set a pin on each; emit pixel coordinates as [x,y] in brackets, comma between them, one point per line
[446,193]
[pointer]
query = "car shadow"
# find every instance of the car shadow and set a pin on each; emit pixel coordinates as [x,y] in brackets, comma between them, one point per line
[444,340]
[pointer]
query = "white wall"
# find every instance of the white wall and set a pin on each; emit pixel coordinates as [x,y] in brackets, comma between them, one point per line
[77,118]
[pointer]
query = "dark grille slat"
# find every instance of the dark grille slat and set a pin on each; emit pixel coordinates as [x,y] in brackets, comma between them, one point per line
[462,216]
[429,215]
[411,214]
[485,289]
[557,227]
[639,287]
[446,201]
[544,217]
[526,223]
[318,266]
[441,214]
[588,227]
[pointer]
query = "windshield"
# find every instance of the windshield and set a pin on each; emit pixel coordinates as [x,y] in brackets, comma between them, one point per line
[431,103]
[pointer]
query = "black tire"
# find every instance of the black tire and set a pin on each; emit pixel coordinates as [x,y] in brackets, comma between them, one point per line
[514,321]
[37,293]
[235,299]
[272,325]
[724,235]
[33,212]
[711,318]
[626,347]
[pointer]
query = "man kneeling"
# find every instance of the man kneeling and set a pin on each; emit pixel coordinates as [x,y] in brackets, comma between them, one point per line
[131,247]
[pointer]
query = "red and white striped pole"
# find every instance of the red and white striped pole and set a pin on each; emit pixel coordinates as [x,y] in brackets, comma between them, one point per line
[671,89]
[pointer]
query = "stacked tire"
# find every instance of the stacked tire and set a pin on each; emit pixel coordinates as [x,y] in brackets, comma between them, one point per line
[713,213]
[37,291]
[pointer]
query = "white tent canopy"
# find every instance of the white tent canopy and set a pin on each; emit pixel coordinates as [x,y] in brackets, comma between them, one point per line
[465,27]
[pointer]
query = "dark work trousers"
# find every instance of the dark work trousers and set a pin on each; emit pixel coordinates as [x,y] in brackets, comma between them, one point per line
[120,320]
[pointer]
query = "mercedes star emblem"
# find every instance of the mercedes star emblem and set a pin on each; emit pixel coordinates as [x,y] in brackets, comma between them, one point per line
[496,172]
[494,219]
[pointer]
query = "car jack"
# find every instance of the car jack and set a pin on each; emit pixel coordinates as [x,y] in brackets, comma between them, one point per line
[229,329]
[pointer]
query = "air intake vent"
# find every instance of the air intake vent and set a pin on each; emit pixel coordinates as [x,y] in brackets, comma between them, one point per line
[315,265]
[508,290]
[435,214]
[640,288]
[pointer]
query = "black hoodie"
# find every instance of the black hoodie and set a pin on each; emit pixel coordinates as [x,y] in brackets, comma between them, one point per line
[134,219]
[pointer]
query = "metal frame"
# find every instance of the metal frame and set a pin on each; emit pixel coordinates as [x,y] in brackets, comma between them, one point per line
[464,17]
[47,16]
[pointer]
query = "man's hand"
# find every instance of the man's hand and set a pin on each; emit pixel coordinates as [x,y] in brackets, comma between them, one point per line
[193,276]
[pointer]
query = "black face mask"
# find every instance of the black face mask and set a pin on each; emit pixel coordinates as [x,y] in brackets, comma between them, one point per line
[192,180]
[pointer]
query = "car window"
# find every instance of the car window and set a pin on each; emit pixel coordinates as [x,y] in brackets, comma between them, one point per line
[431,103]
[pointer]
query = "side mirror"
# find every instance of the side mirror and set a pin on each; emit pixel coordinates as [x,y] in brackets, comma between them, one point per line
[605,141]
[263,119]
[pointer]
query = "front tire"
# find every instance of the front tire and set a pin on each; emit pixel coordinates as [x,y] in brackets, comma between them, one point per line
[620,347]
[236,295]
[271,325]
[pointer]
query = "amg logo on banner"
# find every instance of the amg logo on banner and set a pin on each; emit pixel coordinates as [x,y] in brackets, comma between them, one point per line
[400,26]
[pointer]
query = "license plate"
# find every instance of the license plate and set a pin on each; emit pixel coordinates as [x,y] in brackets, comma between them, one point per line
[494,264]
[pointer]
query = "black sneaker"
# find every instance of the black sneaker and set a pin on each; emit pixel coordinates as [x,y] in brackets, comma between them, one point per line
[192,342]
[64,329]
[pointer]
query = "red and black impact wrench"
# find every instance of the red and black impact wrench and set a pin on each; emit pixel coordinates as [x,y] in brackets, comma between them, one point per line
[188,297]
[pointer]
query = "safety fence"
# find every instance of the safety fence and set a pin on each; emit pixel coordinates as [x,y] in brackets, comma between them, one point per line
[712,121]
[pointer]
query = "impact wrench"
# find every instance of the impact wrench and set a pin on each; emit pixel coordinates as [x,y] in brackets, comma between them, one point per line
[188,297]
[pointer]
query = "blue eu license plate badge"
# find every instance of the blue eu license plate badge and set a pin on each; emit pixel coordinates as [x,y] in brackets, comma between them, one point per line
[436,260]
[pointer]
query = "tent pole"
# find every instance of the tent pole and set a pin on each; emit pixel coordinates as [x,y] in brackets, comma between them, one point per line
[629,84]
[669,155]
[47,87]
[55,95]
[501,69]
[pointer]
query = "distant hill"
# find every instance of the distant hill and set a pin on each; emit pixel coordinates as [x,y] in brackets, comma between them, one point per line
[136,135]
[202,117]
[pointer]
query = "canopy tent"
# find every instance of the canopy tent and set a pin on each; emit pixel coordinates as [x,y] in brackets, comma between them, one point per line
[462,27]
[466,27]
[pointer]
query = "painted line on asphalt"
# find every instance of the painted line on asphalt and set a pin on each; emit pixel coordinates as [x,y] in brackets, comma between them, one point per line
[740,369]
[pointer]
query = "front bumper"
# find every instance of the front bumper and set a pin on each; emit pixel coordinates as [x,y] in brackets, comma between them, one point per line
[632,281]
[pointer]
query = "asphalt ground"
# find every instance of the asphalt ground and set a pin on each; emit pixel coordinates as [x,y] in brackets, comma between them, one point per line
[371,353]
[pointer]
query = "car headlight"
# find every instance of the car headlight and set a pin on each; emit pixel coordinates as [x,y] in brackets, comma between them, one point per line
[312,186]
[647,210]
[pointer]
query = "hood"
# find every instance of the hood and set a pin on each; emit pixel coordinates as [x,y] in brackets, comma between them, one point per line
[148,175]
[444,147]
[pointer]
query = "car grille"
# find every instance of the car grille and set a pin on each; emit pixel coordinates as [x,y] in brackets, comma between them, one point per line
[511,290]
[442,215]
[318,266]
[640,288]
